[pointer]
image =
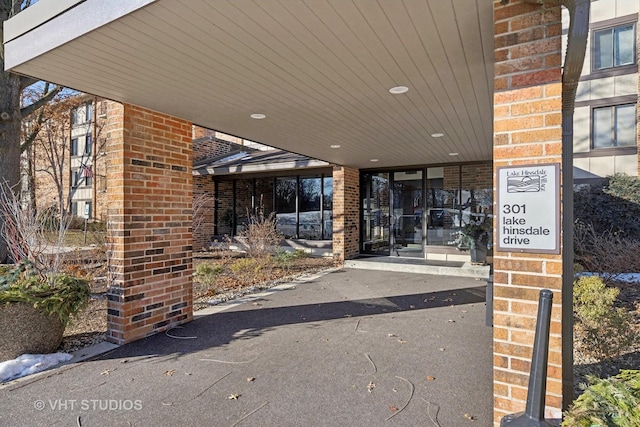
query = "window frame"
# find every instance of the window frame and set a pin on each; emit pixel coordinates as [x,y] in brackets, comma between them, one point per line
[75,175]
[613,146]
[88,144]
[73,149]
[611,24]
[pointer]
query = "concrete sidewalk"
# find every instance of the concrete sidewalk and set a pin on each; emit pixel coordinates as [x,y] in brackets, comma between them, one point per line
[351,347]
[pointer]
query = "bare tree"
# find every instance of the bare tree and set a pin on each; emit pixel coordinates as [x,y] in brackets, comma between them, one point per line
[12,111]
[52,148]
[38,239]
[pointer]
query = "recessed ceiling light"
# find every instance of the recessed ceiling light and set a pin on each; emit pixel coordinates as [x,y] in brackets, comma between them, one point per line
[334,146]
[453,154]
[258,116]
[437,135]
[375,160]
[399,90]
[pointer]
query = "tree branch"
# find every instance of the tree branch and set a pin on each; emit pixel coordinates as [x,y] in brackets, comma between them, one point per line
[34,133]
[25,82]
[30,109]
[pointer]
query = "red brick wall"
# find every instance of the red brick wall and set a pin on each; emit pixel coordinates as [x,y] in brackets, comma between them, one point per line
[150,220]
[225,206]
[203,209]
[527,130]
[200,132]
[477,176]
[346,213]
[209,147]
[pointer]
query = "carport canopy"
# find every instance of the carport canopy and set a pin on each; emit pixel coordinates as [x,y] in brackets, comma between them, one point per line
[319,71]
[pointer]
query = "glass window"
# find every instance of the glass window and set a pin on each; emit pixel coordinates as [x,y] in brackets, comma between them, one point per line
[74,147]
[310,226]
[614,126]
[327,208]
[286,190]
[443,205]
[88,145]
[408,213]
[376,220]
[75,177]
[614,47]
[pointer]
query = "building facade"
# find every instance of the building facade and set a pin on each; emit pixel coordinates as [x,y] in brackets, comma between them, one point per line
[67,158]
[488,75]
[606,134]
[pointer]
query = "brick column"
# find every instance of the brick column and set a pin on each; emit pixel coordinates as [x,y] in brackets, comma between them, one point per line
[346,213]
[150,210]
[527,130]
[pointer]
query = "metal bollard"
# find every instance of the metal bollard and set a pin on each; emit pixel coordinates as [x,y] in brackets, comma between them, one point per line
[533,416]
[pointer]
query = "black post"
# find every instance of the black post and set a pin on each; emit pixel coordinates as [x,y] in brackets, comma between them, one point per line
[533,416]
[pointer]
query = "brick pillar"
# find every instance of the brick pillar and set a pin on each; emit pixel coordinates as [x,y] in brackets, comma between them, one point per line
[346,213]
[150,210]
[527,130]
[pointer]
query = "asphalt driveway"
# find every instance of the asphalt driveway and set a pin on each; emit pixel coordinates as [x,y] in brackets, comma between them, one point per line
[350,347]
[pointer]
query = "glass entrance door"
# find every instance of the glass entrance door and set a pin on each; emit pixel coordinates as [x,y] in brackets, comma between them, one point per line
[408,214]
[393,213]
[376,221]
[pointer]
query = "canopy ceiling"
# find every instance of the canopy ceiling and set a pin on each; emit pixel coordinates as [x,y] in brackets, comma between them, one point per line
[319,70]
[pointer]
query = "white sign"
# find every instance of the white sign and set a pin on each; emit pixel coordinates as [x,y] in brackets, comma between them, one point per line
[86,210]
[528,214]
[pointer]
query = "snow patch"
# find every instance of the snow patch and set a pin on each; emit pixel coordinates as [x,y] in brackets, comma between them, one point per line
[28,364]
[626,277]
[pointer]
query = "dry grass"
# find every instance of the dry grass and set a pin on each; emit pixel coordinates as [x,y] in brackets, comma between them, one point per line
[90,326]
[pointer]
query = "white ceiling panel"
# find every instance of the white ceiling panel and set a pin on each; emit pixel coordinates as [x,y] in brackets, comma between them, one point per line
[320,70]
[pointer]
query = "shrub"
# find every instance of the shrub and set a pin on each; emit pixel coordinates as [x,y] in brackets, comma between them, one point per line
[207,274]
[614,207]
[52,293]
[286,258]
[283,255]
[260,238]
[609,254]
[606,330]
[624,186]
[245,266]
[614,401]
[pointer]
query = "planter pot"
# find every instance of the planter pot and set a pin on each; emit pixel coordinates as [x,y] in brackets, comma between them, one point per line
[479,254]
[23,329]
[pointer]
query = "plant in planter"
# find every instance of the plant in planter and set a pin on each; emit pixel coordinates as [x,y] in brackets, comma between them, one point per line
[37,296]
[474,236]
[35,308]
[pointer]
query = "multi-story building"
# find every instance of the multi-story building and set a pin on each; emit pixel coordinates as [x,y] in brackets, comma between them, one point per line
[427,108]
[74,143]
[605,130]
[68,158]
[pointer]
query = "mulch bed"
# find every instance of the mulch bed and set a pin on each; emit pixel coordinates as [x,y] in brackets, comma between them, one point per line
[90,326]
